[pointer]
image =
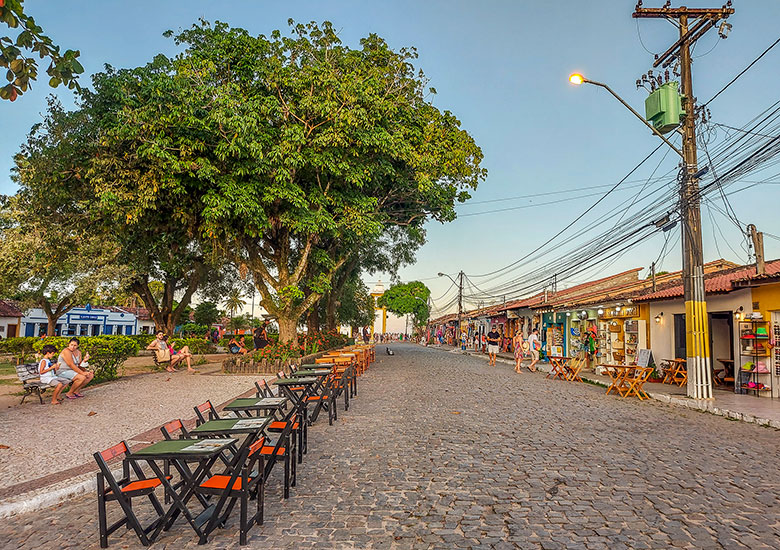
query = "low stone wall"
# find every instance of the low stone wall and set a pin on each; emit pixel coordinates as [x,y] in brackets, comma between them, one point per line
[248,364]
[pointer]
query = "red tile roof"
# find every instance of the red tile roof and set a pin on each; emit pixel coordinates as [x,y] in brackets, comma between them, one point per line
[719,282]
[9,309]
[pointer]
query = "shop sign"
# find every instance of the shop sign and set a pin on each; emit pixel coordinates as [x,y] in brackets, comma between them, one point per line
[512,314]
[625,311]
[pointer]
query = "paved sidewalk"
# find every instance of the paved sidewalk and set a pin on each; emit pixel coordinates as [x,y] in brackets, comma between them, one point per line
[441,451]
[746,408]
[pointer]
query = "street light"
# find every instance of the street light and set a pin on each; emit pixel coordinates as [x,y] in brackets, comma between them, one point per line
[696,323]
[578,79]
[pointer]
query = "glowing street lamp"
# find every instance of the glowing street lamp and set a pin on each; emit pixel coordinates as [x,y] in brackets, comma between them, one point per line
[578,79]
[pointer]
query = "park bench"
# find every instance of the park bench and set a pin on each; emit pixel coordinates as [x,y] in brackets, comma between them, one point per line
[31,381]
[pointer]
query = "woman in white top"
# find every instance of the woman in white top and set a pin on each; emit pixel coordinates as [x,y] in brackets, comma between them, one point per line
[70,367]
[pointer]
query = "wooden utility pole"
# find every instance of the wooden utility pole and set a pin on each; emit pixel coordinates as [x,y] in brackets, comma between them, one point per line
[758,247]
[696,320]
[460,300]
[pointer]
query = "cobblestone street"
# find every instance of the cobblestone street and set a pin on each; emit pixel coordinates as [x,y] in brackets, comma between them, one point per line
[441,451]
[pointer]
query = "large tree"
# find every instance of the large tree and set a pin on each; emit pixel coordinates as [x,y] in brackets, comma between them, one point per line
[317,143]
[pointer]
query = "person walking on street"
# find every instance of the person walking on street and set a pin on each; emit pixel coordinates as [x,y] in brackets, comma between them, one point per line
[493,339]
[517,346]
[534,346]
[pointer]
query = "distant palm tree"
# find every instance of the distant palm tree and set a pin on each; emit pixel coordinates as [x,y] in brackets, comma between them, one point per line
[234,302]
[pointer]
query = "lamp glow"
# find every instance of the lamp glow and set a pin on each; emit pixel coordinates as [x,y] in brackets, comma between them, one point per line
[576,79]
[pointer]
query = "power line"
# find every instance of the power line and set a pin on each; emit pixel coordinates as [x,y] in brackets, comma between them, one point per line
[743,71]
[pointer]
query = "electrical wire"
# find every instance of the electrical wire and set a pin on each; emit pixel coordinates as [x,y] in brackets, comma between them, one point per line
[743,71]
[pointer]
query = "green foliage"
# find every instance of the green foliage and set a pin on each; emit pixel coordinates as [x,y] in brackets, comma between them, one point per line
[206,313]
[194,328]
[20,347]
[407,299]
[196,345]
[142,340]
[107,353]
[356,305]
[17,54]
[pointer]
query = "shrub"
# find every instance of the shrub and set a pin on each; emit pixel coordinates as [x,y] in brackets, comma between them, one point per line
[196,345]
[193,328]
[20,347]
[107,353]
[142,340]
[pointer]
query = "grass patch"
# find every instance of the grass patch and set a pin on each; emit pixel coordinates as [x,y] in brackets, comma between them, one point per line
[7,368]
[594,383]
[9,382]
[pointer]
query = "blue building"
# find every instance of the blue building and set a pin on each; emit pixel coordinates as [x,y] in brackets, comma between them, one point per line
[83,321]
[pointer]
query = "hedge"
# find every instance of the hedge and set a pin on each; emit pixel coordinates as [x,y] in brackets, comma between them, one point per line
[107,353]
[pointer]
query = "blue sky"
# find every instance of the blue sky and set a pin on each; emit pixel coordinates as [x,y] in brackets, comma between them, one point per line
[502,68]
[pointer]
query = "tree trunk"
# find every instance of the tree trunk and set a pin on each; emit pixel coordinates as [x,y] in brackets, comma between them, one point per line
[288,327]
[52,327]
[330,314]
[313,319]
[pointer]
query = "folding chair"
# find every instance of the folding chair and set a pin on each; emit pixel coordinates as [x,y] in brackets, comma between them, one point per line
[205,409]
[123,491]
[284,448]
[242,481]
[323,400]
[635,383]
[575,367]
[277,426]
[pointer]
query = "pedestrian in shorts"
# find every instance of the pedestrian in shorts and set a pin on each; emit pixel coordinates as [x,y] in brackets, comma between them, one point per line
[493,340]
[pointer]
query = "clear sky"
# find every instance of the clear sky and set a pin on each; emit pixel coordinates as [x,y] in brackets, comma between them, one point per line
[502,68]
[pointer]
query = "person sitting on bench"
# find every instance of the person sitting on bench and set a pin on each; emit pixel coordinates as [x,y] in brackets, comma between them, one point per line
[48,370]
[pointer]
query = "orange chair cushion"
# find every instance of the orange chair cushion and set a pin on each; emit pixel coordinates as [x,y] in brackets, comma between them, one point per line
[279,425]
[142,484]
[270,450]
[314,398]
[220,481]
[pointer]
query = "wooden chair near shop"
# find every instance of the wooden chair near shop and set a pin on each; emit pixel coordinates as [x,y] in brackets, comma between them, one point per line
[635,381]
[575,366]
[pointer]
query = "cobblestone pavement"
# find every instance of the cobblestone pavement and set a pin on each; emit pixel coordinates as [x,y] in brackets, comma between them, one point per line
[441,451]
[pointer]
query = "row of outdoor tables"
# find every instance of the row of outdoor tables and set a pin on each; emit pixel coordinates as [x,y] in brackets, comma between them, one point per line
[205,500]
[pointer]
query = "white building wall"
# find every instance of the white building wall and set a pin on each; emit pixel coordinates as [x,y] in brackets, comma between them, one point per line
[662,334]
[5,321]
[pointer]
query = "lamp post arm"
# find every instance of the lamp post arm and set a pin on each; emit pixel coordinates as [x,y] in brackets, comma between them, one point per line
[640,117]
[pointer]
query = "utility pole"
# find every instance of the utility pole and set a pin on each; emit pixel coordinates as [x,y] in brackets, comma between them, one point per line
[460,299]
[652,271]
[696,321]
[758,247]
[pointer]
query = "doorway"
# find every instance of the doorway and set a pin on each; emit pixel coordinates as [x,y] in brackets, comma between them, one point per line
[722,347]
[12,331]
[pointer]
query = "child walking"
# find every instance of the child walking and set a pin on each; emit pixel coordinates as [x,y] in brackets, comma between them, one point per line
[48,371]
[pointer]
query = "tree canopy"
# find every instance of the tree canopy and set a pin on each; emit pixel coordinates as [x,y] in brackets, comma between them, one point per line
[407,299]
[292,158]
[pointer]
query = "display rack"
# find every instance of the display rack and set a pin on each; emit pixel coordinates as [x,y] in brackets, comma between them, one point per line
[636,334]
[754,350]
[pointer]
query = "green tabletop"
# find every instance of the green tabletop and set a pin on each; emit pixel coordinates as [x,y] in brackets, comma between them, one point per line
[310,372]
[233,425]
[247,403]
[182,448]
[295,381]
[319,365]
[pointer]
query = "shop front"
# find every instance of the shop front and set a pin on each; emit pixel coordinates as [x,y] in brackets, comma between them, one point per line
[725,312]
[622,332]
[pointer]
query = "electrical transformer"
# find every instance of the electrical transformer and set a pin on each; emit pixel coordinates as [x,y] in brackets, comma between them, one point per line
[663,108]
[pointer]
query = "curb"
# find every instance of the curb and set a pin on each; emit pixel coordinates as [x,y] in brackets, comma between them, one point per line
[693,404]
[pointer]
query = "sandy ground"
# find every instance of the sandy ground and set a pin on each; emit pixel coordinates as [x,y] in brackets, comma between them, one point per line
[39,439]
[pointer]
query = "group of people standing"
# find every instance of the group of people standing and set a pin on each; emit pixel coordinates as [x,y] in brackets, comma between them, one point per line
[522,347]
